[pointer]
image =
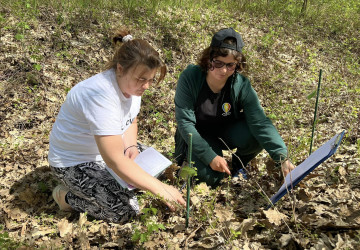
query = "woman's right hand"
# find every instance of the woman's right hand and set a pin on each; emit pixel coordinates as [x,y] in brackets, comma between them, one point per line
[111,149]
[219,164]
[171,196]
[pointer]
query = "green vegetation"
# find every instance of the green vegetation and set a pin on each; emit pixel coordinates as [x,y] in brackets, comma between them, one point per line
[48,46]
[151,226]
[6,242]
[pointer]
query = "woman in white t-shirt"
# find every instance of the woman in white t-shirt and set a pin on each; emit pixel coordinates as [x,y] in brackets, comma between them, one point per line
[97,127]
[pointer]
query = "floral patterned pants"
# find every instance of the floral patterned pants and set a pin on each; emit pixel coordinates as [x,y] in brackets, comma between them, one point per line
[95,191]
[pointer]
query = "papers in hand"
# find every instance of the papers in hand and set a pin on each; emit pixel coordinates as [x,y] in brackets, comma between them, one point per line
[308,165]
[150,160]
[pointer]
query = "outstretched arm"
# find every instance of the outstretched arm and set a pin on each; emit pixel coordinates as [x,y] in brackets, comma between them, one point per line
[112,150]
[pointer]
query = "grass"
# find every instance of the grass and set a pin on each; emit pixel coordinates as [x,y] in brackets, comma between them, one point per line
[339,16]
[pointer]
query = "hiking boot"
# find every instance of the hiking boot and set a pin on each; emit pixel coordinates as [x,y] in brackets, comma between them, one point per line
[58,194]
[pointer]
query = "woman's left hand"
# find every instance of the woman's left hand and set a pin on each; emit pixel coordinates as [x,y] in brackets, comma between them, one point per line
[286,167]
[132,152]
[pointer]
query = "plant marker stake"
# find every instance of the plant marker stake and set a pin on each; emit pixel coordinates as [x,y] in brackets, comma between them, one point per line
[188,181]
[316,107]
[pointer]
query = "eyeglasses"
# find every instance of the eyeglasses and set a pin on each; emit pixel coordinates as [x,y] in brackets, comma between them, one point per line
[219,64]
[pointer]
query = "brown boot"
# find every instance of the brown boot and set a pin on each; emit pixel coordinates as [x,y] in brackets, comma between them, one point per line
[58,194]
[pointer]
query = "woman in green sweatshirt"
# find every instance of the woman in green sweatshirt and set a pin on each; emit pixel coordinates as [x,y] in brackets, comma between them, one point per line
[218,106]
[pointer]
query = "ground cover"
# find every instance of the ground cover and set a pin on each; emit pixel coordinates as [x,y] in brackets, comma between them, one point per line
[45,50]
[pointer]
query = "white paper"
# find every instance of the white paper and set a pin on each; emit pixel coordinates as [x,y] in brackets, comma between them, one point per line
[150,160]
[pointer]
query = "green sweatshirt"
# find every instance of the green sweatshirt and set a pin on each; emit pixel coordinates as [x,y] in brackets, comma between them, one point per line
[243,99]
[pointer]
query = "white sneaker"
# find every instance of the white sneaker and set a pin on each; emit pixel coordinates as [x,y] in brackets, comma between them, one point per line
[58,194]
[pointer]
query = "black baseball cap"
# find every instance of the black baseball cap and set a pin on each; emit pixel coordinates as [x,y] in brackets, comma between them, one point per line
[221,35]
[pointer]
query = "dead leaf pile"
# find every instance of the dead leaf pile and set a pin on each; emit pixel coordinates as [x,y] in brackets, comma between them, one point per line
[56,49]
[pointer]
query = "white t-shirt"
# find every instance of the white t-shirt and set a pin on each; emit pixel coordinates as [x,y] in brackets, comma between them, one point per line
[95,106]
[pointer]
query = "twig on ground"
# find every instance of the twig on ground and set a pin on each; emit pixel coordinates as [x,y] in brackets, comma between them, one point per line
[191,235]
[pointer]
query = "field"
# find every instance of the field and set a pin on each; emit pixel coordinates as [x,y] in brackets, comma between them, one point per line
[46,47]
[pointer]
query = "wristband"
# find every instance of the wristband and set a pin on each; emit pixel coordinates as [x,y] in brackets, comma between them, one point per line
[130,147]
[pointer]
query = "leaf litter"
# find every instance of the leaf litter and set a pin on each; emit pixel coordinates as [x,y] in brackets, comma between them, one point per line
[322,213]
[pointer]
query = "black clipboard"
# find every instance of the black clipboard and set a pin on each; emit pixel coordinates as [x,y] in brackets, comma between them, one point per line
[308,165]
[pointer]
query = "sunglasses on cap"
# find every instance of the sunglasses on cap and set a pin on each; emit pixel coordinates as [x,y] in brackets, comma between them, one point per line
[219,64]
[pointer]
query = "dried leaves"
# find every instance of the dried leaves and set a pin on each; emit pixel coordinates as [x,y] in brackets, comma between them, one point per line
[64,227]
[36,73]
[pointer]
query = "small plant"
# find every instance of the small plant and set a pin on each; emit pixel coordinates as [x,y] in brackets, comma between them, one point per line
[269,39]
[2,19]
[6,242]
[19,37]
[22,27]
[187,172]
[168,56]
[37,67]
[151,226]
[43,187]
[234,234]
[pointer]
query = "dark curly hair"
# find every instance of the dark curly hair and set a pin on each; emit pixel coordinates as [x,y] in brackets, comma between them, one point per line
[212,52]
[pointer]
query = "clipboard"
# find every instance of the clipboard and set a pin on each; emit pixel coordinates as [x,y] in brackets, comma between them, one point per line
[308,165]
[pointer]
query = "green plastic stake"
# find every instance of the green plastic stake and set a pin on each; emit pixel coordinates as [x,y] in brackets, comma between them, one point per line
[188,181]
[316,107]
